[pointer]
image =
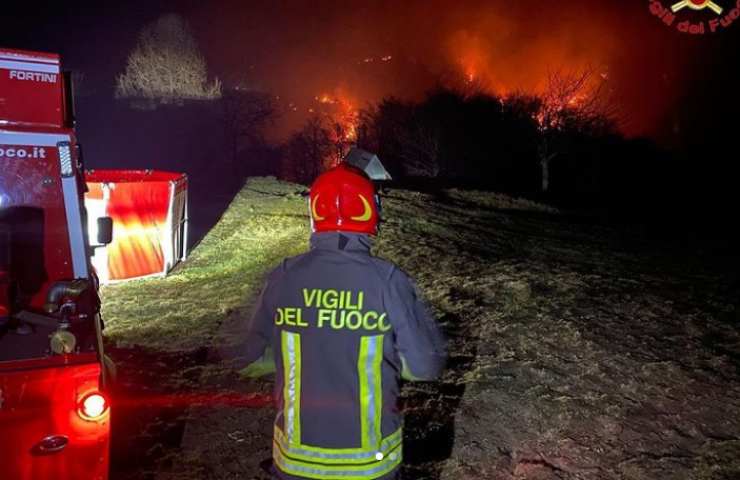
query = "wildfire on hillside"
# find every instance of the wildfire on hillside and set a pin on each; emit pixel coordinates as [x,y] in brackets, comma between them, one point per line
[356,56]
[330,119]
[342,114]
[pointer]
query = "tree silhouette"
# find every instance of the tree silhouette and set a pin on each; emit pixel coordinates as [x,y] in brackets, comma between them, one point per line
[572,103]
[309,151]
[244,115]
[166,66]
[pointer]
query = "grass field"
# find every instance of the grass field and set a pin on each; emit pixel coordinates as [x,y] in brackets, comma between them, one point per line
[265,223]
[577,351]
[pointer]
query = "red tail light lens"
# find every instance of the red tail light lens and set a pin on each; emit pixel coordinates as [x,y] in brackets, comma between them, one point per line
[93,406]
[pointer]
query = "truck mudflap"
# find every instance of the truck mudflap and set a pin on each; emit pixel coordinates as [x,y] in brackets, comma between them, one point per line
[54,419]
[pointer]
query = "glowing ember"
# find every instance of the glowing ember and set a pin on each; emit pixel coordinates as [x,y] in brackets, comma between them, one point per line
[325,99]
[342,113]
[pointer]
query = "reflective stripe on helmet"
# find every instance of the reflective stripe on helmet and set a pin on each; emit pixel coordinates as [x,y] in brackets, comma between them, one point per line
[314,214]
[367,214]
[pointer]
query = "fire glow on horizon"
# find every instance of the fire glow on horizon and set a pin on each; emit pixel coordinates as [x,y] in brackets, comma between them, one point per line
[355,56]
[341,111]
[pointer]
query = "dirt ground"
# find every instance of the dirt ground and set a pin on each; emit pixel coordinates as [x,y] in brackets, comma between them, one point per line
[577,351]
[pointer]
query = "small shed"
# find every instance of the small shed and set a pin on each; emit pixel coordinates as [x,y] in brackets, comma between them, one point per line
[149,210]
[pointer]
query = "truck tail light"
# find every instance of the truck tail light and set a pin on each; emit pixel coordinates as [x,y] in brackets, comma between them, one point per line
[93,406]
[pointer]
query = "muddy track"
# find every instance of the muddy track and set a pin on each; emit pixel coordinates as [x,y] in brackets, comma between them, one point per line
[150,408]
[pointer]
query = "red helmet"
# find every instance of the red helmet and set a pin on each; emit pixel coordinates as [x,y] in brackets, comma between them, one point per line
[343,199]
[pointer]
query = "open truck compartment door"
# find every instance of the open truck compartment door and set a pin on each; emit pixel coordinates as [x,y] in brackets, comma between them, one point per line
[54,418]
[149,209]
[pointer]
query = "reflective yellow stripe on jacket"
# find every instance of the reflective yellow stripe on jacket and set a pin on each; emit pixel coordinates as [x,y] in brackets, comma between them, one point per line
[376,457]
[291,347]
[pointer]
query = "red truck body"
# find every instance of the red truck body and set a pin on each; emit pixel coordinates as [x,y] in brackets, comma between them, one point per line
[54,413]
[31,92]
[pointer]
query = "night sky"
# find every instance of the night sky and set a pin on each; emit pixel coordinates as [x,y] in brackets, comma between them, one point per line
[675,88]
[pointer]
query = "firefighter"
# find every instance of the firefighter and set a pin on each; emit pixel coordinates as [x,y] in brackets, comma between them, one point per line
[344,326]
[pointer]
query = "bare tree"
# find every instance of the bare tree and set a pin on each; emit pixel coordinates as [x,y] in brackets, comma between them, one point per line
[244,115]
[421,150]
[309,151]
[572,102]
[167,66]
[403,134]
[343,135]
[368,136]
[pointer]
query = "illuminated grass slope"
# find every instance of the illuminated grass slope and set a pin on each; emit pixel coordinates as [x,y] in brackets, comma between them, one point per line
[577,351]
[265,222]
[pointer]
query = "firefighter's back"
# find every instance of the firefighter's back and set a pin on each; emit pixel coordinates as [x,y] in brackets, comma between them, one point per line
[344,325]
[337,369]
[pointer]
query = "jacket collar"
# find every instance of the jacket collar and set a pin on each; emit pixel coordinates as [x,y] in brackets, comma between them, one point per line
[342,241]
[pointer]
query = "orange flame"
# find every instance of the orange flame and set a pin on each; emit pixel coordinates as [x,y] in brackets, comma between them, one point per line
[342,113]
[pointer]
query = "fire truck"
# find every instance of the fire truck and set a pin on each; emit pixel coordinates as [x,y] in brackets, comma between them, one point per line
[54,377]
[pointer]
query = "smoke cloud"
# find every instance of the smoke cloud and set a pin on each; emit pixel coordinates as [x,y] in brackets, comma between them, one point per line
[360,52]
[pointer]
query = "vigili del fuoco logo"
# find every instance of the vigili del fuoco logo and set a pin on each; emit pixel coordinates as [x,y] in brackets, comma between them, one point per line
[708,16]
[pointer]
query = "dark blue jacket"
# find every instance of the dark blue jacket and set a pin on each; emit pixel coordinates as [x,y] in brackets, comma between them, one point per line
[343,325]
